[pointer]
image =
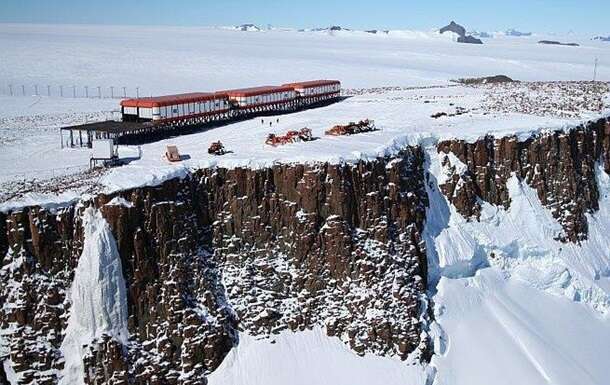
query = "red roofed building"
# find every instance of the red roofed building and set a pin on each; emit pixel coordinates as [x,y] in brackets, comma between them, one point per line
[260,96]
[171,107]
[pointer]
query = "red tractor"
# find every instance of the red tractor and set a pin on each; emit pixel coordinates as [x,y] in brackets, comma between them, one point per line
[303,135]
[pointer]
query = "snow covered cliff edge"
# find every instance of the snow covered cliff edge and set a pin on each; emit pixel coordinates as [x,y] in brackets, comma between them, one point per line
[383,255]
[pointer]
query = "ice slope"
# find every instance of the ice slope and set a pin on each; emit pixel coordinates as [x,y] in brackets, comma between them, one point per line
[98,296]
[500,331]
[513,305]
[306,358]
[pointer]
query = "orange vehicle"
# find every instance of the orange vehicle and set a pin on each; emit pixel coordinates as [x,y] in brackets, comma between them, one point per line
[303,135]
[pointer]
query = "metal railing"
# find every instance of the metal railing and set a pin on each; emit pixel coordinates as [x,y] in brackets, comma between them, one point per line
[71,91]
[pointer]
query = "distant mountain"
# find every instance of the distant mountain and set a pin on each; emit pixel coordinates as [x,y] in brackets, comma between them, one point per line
[248,28]
[514,32]
[481,34]
[376,31]
[332,28]
[461,32]
[602,38]
[455,28]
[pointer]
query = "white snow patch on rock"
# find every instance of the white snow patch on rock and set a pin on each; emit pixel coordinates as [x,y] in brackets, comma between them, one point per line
[120,201]
[98,296]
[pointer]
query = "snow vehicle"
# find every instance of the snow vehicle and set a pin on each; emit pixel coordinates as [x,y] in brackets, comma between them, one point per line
[352,128]
[217,148]
[303,135]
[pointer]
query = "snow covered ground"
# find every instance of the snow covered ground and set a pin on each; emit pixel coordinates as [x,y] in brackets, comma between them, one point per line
[402,117]
[310,357]
[173,59]
[162,60]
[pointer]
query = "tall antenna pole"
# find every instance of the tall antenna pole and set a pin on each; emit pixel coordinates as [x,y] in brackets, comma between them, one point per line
[595,69]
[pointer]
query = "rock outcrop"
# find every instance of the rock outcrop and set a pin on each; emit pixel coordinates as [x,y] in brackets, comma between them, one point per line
[554,42]
[560,166]
[455,28]
[461,32]
[286,247]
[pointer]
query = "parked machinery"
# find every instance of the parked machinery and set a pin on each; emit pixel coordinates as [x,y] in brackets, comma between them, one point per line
[352,128]
[303,135]
[217,148]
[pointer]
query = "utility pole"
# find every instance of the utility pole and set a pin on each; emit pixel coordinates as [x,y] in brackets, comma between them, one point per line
[595,70]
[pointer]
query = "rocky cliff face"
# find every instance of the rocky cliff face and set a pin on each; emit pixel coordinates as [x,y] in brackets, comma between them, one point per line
[261,251]
[288,247]
[559,165]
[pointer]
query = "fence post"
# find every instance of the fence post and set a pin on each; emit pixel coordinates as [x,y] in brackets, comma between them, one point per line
[36,89]
[23,89]
[48,90]
[61,91]
[10,89]
[73,91]
[111,92]
[99,92]
[124,92]
[137,92]
[86,91]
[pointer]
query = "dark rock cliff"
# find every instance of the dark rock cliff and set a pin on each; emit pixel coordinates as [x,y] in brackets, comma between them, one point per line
[287,247]
[560,166]
[261,251]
